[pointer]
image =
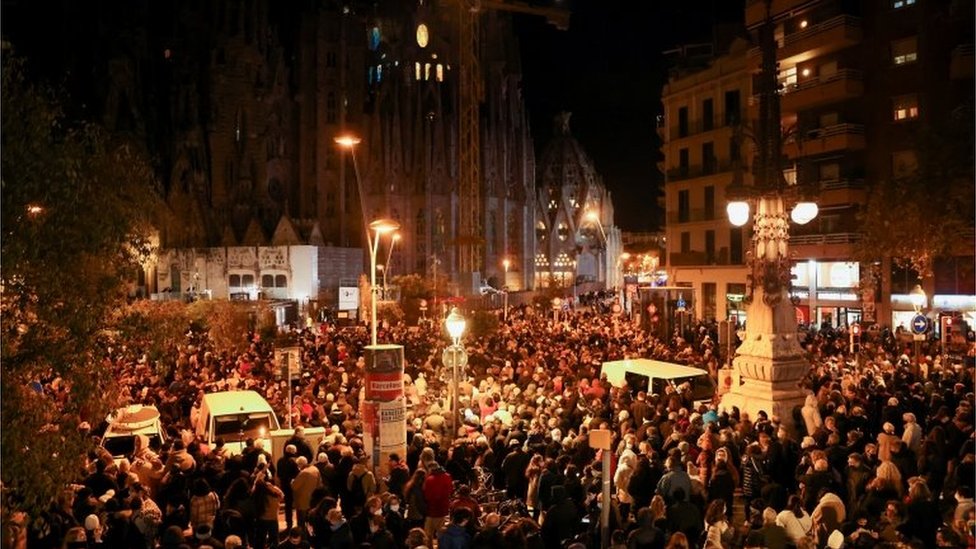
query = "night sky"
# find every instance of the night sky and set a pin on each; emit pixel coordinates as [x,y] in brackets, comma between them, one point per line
[608,70]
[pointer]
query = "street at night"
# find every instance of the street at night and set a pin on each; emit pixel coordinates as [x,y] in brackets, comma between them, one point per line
[458,274]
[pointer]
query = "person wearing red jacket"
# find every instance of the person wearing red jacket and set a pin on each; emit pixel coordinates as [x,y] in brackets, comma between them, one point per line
[438,488]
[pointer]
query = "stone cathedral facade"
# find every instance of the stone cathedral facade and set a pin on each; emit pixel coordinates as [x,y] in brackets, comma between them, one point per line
[240,101]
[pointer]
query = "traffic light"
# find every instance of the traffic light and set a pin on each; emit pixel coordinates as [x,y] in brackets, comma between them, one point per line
[855,336]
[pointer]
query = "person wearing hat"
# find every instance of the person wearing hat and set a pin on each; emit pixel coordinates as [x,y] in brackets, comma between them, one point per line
[886,441]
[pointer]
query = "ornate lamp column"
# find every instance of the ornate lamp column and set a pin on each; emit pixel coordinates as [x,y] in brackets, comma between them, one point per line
[770,361]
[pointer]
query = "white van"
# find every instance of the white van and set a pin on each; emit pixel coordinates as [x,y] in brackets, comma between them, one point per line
[123,426]
[653,376]
[236,416]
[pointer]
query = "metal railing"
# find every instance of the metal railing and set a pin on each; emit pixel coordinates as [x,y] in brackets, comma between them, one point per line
[699,170]
[843,74]
[823,239]
[833,22]
[841,184]
[830,131]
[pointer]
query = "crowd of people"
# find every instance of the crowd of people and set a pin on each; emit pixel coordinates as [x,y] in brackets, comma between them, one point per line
[882,453]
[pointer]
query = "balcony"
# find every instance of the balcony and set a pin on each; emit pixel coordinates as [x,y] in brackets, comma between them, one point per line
[838,137]
[834,34]
[691,172]
[823,245]
[961,62]
[694,258]
[842,191]
[819,91]
[756,9]
[693,215]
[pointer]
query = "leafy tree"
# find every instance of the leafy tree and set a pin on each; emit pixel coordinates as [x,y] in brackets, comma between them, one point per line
[927,211]
[75,226]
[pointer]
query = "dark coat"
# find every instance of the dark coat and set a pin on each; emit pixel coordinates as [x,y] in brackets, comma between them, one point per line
[562,520]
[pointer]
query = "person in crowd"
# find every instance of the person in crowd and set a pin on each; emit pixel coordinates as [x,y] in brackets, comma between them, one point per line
[718,532]
[437,490]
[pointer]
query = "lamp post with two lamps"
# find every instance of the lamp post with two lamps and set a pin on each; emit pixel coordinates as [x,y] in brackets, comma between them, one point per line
[455,358]
[770,360]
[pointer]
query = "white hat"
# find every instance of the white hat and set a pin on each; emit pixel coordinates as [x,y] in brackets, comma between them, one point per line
[91,522]
[836,540]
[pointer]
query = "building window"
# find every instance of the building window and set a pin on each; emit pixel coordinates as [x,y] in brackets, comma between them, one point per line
[709,164]
[267,281]
[787,79]
[709,202]
[899,4]
[683,122]
[710,247]
[904,51]
[416,71]
[235,281]
[708,115]
[905,107]
[829,171]
[685,242]
[735,246]
[732,107]
[684,207]
[683,162]
[281,281]
[247,280]
[440,72]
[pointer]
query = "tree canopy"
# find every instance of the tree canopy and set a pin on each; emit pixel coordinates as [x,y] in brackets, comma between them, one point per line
[76,205]
[926,211]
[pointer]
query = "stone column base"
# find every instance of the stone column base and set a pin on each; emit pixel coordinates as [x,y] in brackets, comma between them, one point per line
[753,396]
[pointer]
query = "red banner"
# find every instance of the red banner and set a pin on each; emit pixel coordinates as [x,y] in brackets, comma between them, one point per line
[383,386]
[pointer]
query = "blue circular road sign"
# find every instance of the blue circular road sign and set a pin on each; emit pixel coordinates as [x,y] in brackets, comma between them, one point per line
[920,324]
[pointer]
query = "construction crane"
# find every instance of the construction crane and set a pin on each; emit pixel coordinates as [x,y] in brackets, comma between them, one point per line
[471,89]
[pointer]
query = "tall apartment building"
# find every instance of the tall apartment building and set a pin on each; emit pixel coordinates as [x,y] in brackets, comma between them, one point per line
[703,106]
[858,81]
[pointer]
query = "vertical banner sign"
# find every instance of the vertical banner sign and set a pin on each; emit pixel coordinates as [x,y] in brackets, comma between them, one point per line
[392,431]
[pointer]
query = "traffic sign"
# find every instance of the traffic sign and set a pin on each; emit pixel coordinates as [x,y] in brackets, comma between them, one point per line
[920,324]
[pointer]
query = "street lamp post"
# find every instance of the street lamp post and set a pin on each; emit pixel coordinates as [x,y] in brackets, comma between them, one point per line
[455,323]
[389,258]
[379,227]
[770,360]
